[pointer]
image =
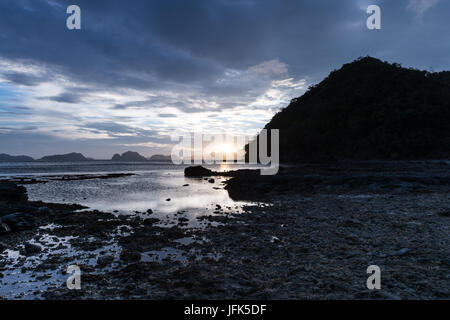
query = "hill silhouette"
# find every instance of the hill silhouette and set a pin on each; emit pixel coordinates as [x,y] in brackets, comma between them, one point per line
[8,158]
[368,109]
[160,157]
[65,157]
[128,156]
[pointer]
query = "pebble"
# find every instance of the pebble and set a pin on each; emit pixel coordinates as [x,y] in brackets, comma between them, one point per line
[402,251]
[274,239]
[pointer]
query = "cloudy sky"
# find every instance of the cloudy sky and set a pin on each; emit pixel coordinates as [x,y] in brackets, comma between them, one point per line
[139,72]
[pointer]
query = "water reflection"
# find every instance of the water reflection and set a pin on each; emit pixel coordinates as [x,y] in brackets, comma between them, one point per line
[224,167]
[165,192]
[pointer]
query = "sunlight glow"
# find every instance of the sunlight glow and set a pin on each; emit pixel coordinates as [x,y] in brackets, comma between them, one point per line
[226,148]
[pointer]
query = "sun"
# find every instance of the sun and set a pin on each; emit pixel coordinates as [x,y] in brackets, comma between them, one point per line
[226,148]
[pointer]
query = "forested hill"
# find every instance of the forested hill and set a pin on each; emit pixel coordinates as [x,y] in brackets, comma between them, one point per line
[368,109]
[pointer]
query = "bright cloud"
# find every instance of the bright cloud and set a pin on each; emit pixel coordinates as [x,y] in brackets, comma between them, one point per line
[421,6]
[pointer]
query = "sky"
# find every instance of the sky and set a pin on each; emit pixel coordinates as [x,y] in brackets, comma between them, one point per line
[141,73]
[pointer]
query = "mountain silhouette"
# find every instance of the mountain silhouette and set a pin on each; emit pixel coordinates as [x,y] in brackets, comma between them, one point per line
[8,158]
[368,109]
[65,157]
[160,157]
[128,156]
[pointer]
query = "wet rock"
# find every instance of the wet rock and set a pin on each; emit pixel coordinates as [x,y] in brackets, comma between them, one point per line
[275,239]
[168,199]
[31,249]
[197,171]
[43,277]
[186,185]
[4,228]
[43,210]
[19,221]
[149,211]
[3,246]
[130,255]
[150,221]
[211,180]
[11,192]
[174,233]
[105,260]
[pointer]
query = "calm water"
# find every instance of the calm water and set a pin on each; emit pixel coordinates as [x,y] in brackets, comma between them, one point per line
[150,187]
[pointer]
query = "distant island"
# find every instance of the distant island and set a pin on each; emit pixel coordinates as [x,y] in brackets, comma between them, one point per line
[128,156]
[78,157]
[160,157]
[70,157]
[134,156]
[7,158]
[368,109]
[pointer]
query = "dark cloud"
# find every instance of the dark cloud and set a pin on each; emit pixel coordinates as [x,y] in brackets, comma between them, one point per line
[145,43]
[119,107]
[72,95]
[116,129]
[67,97]
[167,115]
[200,55]
[22,79]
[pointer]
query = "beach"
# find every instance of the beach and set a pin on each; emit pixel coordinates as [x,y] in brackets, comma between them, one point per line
[309,232]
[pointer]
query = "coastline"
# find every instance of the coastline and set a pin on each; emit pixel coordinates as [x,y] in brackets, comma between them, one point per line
[326,223]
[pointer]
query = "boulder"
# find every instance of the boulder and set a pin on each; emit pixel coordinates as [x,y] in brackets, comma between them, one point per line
[31,249]
[19,221]
[11,192]
[197,171]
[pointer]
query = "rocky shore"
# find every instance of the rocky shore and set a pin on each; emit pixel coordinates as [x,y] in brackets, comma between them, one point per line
[311,235]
